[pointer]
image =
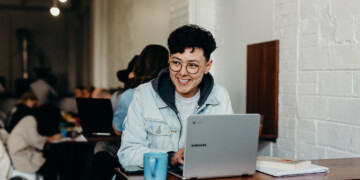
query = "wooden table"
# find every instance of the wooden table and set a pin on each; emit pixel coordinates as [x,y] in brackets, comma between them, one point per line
[104,138]
[339,169]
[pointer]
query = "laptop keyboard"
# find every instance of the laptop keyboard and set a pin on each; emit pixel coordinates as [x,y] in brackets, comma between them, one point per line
[178,170]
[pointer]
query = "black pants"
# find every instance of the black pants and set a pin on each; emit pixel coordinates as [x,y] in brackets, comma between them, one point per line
[50,169]
[67,161]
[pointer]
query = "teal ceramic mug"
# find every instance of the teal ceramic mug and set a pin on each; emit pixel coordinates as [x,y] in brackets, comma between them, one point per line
[155,166]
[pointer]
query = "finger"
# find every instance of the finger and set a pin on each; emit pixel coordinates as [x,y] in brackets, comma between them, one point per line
[181,161]
[173,161]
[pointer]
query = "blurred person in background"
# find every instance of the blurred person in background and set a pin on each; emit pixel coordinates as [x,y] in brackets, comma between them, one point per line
[2,84]
[2,89]
[123,76]
[26,142]
[101,93]
[78,92]
[5,163]
[152,59]
[87,91]
[26,105]
[44,87]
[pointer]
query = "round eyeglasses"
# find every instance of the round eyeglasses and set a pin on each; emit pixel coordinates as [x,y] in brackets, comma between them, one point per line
[191,68]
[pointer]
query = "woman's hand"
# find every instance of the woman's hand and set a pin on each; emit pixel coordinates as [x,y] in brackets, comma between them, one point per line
[178,157]
[54,137]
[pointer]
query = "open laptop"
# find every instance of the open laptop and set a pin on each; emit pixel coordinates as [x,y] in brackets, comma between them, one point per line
[220,146]
[96,117]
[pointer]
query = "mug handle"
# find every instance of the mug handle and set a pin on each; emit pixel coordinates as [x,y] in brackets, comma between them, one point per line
[153,166]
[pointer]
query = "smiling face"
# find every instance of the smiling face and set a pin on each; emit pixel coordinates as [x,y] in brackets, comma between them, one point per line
[187,84]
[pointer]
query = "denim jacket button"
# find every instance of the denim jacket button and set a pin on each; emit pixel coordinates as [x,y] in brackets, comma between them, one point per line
[158,130]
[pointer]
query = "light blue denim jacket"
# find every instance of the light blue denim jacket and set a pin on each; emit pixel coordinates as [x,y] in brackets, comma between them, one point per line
[152,124]
[122,109]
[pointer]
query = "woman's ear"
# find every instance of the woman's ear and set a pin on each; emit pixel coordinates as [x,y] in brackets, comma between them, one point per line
[208,66]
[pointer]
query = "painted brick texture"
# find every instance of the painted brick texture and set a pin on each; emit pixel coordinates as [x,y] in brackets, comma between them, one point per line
[319,79]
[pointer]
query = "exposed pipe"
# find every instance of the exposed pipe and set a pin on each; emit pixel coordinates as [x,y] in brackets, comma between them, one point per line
[25,58]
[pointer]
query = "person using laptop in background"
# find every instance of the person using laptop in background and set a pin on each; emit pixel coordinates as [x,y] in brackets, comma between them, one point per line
[152,59]
[157,115]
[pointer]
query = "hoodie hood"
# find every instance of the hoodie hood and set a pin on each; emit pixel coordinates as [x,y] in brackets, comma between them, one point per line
[165,88]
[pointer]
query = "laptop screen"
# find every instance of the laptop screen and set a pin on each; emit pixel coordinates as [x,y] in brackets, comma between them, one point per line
[95,115]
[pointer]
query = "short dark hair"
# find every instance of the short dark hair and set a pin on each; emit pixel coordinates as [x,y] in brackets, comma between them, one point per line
[191,36]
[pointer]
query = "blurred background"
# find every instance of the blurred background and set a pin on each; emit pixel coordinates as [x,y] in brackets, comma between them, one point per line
[90,40]
[34,41]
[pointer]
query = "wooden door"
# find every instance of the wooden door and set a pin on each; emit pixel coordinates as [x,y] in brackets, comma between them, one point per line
[263,85]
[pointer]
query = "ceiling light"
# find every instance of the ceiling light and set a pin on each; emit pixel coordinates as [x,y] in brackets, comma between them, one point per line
[55,11]
[63,1]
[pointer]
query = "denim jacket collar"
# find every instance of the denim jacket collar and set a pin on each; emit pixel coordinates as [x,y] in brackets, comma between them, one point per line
[165,88]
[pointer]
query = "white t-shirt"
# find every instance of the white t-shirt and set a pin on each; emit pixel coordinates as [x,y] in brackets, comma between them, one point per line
[186,107]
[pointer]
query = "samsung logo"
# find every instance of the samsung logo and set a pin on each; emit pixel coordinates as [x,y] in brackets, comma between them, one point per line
[198,145]
[198,122]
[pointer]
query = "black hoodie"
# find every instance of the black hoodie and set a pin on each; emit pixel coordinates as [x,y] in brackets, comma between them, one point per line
[165,88]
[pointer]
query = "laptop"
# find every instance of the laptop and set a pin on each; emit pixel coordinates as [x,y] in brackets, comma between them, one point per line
[220,146]
[96,117]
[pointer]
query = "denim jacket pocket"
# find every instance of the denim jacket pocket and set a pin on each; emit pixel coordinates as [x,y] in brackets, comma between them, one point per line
[157,128]
[159,134]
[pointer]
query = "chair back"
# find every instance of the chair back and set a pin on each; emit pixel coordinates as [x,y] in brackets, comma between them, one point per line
[5,162]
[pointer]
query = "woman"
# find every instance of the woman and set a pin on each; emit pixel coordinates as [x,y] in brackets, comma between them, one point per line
[152,59]
[27,140]
[26,105]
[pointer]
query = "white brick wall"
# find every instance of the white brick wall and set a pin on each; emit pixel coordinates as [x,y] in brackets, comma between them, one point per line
[335,83]
[333,135]
[309,151]
[313,58]
[344,29]
[311,106]
[355,142]
[357,83]
[307,89]
[344,110]
[319,98]
[309,28]
[345,56]
[357,28]
[306,137]
[308,77]
[333,153]
[345,7]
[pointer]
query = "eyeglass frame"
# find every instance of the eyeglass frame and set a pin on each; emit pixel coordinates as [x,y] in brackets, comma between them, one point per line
[170,61]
